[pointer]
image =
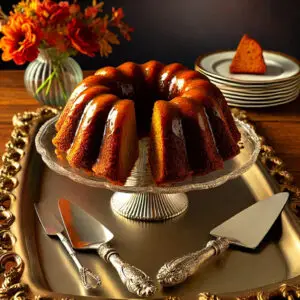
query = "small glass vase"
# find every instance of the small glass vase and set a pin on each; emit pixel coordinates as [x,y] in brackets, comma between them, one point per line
[52,77]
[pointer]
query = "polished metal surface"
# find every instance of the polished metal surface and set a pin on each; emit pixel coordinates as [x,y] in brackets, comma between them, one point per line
[249,227]
[150,245]
[246,229]
[53,227]
[41,269]
[85,232]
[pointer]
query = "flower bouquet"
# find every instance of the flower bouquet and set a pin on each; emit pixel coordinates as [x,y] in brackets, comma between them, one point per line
[47,33]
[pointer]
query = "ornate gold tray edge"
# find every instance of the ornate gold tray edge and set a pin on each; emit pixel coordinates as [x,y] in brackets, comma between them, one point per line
[13,261]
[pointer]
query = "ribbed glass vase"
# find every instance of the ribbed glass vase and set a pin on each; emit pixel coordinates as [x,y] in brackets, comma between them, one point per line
[51,77]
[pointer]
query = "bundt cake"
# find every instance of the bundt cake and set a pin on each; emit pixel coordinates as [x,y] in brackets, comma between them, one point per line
[190,127]
[248,57]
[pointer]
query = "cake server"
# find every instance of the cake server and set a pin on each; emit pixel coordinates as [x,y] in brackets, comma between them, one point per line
[53,227]
[85,232]
[246,229]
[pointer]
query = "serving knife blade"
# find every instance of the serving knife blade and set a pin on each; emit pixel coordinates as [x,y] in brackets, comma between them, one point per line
[48,221]
[53,227]
[85,232]
[246,229]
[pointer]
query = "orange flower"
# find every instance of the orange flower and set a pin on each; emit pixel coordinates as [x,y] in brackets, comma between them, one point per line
[91,12]
[100,25]
[50,23]
[57,40]
[117,15]
[74,9]
[21,39]
[125,30]
[51,13]
[82,37]
[26,7]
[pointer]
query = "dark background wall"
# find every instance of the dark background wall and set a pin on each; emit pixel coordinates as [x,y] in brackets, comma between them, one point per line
[180,30]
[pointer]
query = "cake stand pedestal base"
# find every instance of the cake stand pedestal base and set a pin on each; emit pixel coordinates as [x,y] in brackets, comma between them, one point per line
[149,206]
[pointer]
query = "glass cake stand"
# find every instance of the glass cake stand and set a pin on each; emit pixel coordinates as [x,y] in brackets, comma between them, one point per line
[140,198]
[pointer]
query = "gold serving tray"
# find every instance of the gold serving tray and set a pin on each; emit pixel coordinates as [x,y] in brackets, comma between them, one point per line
[33,266]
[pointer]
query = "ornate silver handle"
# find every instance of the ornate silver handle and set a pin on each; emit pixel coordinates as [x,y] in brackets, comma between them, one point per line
[136,281]
[179,269]
[88,278]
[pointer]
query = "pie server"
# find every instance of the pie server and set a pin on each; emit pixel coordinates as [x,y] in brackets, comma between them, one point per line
[85,232]
[53,227]
[246,229]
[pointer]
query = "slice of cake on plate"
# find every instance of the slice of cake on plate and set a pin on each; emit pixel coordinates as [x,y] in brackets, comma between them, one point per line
[248,57]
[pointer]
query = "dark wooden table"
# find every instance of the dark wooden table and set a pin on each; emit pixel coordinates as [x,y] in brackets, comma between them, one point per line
[280,125]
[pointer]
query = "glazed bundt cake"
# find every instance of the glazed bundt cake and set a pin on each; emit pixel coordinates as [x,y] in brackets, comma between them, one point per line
[190,127]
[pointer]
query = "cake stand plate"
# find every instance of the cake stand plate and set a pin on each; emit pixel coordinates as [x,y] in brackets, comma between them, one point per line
[140,198]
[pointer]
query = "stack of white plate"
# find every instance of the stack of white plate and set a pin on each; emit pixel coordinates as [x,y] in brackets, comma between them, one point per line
[279,85]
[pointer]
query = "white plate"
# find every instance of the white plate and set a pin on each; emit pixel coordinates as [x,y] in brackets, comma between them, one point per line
[293,79]
[261,97]
[260,102]
[279,67]
[255,86]
[265,91]
[246,104]
[255,103]
[259,106]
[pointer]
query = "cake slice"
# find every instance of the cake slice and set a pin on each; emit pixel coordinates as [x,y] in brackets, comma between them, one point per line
[86,145]
[203,89]
[202,152]
[119,149]
[65,135]
[248,57]
[223,136]
[167,153]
